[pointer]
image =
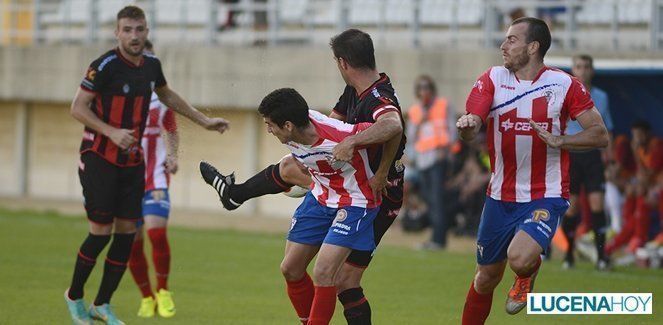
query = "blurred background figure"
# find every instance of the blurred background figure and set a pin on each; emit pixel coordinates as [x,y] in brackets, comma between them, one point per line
[431,128]
[587,172]
[643,192]
[465,189]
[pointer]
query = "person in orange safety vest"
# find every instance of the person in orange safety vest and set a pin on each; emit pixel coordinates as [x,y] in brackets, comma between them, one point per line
[431,125]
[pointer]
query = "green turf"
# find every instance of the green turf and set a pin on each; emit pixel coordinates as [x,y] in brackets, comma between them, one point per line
[226,277]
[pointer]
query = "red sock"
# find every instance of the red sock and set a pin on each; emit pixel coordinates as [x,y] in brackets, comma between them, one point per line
[477,307]
[301,294]
[160,256]
[642,219]
[138,267]
[324,303]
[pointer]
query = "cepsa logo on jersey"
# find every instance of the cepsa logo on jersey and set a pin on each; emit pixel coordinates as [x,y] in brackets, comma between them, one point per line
[521,126]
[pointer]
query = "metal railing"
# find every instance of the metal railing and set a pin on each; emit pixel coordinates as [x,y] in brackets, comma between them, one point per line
[587,24]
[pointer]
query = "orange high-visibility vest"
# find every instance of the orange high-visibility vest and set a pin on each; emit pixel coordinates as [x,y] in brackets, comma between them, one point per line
[433,132]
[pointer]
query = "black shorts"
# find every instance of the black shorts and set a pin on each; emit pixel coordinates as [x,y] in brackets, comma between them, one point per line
[111,191]
[587,170]
[392,201]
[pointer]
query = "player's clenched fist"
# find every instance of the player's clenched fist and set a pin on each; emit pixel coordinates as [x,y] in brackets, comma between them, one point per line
[123,138]
[469,126]
[468,121]
[217,124]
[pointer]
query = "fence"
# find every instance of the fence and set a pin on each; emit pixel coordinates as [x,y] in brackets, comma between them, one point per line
[586,24]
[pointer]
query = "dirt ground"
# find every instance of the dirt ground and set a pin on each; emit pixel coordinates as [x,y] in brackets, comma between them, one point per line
[232,221]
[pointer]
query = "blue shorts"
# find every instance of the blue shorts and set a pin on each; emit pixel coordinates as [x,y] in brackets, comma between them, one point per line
[155,202]
[500,221]
[351,227]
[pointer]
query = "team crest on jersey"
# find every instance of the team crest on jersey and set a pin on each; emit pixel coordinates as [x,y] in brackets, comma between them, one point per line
[341,215]
[540,215]
[91,73]
[550,97]
[125,88]
[400,167]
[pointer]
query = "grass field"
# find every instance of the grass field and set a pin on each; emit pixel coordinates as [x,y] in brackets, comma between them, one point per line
[226,277]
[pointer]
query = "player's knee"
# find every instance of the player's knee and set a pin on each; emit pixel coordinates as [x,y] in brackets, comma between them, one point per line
[288,169]
[520,262]
[323,275]
[125,226]
[347,278]
[291,273]
[485,282]
[101,229]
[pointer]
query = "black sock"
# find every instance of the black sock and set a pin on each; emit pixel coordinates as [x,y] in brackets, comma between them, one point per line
[268,181]
[599,224]
[357,310]
[85,260]
[116,264]
[569,225]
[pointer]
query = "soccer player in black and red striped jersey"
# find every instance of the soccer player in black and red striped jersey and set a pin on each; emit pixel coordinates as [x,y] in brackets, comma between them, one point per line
[112,102]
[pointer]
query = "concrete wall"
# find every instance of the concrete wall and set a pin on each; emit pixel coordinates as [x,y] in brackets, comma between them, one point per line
[220,77]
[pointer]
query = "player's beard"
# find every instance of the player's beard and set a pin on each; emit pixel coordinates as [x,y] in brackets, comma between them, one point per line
[518,61]
[128,48]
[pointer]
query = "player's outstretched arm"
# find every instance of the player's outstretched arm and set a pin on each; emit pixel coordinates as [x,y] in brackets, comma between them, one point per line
[80,110]
[171,99]
[594,134]
[385,127]
[468,126]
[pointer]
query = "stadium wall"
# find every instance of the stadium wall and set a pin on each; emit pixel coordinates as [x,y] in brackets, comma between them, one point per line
[39,139]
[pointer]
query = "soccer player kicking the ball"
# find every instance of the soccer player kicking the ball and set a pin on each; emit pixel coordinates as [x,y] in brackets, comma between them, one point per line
[368,97]
[335,217]
[524,106]
[113,103]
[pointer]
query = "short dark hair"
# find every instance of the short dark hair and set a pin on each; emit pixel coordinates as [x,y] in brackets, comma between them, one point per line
[354,47]
[131,12]
[641,124]
[148,45]
[424,78]
[285,104]
[584,57]
[537,30]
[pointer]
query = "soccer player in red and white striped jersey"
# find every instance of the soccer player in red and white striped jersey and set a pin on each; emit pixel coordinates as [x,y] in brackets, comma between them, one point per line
[337,215]
[524,106]
[160,144]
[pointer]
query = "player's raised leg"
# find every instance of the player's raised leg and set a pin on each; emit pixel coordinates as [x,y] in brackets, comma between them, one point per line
[273,179]
[299,284]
